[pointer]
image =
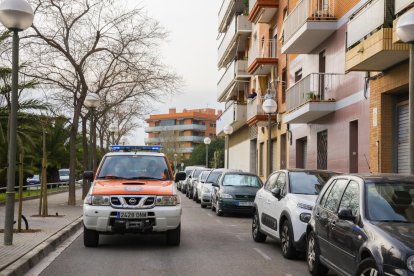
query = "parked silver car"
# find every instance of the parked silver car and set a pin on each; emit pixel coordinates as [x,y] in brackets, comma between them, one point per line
[198,184]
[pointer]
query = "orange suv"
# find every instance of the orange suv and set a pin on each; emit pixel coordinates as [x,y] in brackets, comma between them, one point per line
[133,191]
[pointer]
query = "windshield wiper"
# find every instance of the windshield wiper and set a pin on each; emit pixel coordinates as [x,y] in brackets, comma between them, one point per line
[110,177]
[394,220]
[144,177]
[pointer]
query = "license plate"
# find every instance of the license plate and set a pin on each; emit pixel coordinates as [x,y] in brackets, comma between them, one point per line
[246,203]
[131,215]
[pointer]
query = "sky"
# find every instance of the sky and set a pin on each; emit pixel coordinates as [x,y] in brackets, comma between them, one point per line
[190,50]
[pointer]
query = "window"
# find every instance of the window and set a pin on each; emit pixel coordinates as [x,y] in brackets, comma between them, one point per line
[322,149]
[308,183]
[335,195]
[298,75]
[281,183]
[350,199]
[261,158]
[271,182]
[284,84]
[325,195]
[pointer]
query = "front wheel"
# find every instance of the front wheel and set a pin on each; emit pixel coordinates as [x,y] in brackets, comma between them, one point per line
[174,236]
[288,250]
[367,267]
[90,237]
[218,212]
[312,256]
[257,235]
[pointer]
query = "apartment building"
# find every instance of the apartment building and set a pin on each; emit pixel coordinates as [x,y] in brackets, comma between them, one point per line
[179,132]
[373,47]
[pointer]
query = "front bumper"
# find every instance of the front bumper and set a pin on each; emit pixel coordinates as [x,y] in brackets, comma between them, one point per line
[104,219]
[235,206]
[205,198]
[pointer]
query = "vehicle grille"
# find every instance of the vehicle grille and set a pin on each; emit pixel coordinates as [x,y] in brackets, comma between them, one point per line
[133,202]
[244,196]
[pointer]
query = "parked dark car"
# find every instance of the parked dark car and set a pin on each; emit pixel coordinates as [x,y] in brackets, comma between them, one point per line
[363,225]
[235,193]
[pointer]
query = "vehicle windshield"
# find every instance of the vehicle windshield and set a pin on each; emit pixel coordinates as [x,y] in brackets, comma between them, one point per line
[308,183]
[197,173]
[64,173]
[241,180]
[203,175]
[188,172]
[134,167]
[393,202]
[213,177]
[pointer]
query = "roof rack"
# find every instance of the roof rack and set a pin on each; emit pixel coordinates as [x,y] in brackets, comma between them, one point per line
[134,148]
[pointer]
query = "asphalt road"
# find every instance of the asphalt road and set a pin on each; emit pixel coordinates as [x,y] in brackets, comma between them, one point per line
[210,245]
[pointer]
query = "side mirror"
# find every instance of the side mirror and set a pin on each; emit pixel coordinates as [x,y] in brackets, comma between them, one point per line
[88,175]
[214,184]
[346,214]
[276,192]
[180,176]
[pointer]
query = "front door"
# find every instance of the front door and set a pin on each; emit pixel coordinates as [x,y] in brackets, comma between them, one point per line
[263,204]
[353,147]
[275,204]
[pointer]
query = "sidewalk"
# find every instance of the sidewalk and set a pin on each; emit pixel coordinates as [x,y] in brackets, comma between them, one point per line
[29,248]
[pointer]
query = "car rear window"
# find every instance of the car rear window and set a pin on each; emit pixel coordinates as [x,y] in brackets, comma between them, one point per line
[241,180]
[134,167]
[308,183]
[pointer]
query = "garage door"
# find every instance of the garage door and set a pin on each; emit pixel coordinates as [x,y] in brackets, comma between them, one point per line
[403,151]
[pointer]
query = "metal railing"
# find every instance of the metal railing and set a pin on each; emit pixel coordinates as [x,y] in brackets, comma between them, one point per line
[402,4]
[262,49]
[35,188]
[237,67]
[307,10]
[316,87]
[176,127]
[175,139]
[254,107]
[223,10]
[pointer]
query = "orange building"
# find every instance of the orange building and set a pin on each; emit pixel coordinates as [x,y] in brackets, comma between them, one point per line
[180,132]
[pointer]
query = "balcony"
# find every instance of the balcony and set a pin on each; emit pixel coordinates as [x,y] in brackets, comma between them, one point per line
[262,57]
[235,40]
[314,97]
[234,115]
[227,10]
[175,128]
[369,42]
[262,11]
[255,113]
[231,81]
[167,139]
[308,25]
[401,5]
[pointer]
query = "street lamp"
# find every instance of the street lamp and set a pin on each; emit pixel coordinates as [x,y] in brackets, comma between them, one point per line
[228,130]
[92,101]
[112,129]
[269,106]
[405,31]
[175,162]
[15,15]
[207,141]
[124,141]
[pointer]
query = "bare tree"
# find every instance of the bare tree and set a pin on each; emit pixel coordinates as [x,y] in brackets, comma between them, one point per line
[102,46]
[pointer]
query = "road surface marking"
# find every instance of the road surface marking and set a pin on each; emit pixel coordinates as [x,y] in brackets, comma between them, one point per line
[262,254]
[219,221]
[209,215]
[43,264]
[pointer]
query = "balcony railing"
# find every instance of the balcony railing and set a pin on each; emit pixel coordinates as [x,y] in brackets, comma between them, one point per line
[368,19]
[262,49]
[315,87]
[175,127]
[237,69]
[239,25]
[223,10]
[401,5]
[234,115]
[254,107]
[174,139]
[307,10]
[262,11]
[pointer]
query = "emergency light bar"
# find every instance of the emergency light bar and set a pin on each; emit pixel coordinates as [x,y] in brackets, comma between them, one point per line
[134,148]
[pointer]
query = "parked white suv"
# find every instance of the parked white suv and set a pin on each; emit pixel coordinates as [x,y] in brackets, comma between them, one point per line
[283,207]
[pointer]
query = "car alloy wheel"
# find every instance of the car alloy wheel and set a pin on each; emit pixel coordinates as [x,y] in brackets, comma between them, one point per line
[368,267]
[370,272]
[285,238]
[312,256]
[288,250]
[257,235]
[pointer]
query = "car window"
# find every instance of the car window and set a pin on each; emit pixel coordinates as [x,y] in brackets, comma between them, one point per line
[325,195]
[241,180]
[214,177]
[350,199]
[281,183]
[335,195]
[271,182]
[204,175]
[134,167]
[308,182]
[197,173]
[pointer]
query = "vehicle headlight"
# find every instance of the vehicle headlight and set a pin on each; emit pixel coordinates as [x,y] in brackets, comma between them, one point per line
[305,206]
[410,263]
[223,195]
[305,217]
[88,200]
[100,200]
[167,200]
[206,190]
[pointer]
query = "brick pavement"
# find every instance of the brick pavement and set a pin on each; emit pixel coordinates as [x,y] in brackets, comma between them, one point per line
[51,228]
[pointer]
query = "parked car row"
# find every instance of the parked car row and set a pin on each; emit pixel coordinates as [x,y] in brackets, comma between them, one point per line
[350,224]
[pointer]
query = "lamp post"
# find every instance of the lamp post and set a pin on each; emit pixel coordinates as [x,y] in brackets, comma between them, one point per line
[112,129]
[15,15]
[269,106]
[207,141]
[124,141]
[228,130]
[92,101]
[405,31]
[175,162]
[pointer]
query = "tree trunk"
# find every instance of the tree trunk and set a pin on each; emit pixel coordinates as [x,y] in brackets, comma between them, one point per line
[72,153]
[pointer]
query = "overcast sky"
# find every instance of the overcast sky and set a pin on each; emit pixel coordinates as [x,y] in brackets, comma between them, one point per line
[191,50]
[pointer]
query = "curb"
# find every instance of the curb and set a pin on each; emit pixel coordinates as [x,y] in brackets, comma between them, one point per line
[29,260]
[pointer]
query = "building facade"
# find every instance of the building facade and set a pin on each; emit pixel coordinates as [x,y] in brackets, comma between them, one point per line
[178,133]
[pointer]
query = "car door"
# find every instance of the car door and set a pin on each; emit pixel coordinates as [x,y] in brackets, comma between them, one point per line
[325,214]
[346,236]
[276,205]
[216,190]
[264,197]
